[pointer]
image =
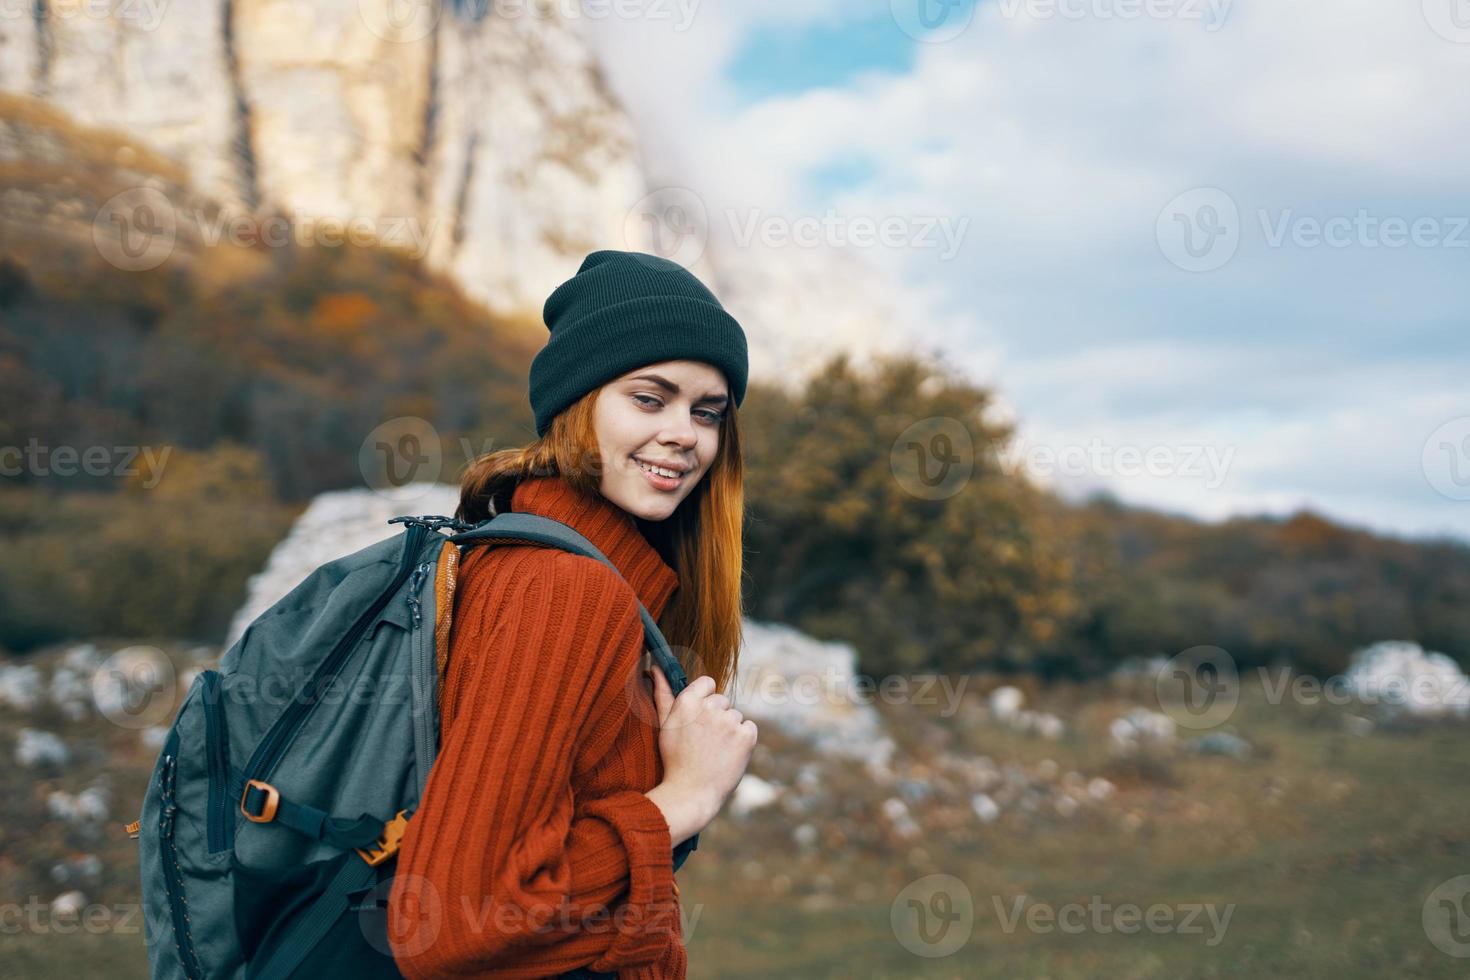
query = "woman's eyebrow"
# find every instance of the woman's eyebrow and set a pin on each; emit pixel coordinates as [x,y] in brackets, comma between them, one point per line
[673,389]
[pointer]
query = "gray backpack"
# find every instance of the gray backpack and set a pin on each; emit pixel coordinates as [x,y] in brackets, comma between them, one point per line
[274,812]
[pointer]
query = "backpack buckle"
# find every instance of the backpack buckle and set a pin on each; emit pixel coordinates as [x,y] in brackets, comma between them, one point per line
[433,522]
[272,800]
[387,843]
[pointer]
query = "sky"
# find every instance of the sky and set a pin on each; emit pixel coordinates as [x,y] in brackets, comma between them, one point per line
[1212,255]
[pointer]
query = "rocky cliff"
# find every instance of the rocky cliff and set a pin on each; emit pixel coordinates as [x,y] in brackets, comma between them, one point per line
[488,142]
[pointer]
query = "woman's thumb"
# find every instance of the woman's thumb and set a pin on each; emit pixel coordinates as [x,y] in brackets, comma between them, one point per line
[663,694]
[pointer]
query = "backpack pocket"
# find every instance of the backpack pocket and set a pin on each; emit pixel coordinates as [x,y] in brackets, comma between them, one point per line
[355,944]
[168,849]
[185,884]
[220,818]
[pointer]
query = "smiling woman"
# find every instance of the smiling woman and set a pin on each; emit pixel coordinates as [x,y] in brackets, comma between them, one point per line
[567,788]
[671,437]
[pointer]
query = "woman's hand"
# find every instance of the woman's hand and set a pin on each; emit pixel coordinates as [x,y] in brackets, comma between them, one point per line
[705,745]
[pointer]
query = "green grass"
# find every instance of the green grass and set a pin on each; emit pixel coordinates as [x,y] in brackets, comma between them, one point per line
[1327,874]
[1325,844]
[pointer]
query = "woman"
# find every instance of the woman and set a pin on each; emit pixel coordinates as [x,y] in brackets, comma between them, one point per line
[566,773]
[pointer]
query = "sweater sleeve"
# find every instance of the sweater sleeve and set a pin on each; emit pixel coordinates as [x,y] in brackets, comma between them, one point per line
[504,866]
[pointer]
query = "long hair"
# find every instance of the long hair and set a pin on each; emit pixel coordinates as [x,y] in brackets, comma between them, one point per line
[700,540]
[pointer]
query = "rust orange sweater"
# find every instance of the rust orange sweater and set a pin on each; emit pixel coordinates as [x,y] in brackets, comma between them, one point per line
[535,850]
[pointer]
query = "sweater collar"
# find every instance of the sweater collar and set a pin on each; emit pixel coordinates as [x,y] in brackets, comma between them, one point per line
[611,530]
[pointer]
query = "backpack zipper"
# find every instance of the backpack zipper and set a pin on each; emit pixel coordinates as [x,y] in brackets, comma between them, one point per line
[217,752]
[267,754]
[173,876]
[414,584]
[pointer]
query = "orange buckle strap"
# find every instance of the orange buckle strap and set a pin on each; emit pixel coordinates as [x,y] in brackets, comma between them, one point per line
[387,843]
[133,827]
[272,800]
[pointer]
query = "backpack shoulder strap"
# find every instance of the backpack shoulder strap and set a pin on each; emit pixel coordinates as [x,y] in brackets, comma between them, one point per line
[545,531]
[515,526]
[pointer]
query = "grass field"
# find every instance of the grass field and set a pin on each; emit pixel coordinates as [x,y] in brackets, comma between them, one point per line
[1315,857]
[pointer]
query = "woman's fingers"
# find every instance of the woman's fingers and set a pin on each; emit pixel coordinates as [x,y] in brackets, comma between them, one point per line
[663,695]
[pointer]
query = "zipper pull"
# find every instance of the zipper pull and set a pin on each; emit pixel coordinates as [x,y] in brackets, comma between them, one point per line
[414,583]
[166,806]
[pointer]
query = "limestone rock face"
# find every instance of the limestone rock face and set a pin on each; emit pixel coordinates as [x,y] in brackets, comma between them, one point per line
[485,143]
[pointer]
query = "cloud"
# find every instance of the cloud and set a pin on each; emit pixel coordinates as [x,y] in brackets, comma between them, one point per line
[1061,139]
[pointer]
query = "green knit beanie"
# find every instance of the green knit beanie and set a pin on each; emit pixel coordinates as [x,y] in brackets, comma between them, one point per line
[623,310]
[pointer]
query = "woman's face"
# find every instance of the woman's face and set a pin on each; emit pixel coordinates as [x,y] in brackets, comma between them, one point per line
[667,413]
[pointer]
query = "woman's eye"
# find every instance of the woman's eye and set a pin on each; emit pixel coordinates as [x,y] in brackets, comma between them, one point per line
[713,418]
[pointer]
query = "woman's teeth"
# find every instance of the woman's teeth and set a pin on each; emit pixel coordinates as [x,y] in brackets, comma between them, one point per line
[659,470]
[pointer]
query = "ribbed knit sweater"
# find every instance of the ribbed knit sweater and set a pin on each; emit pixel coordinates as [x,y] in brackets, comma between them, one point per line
[534,850]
